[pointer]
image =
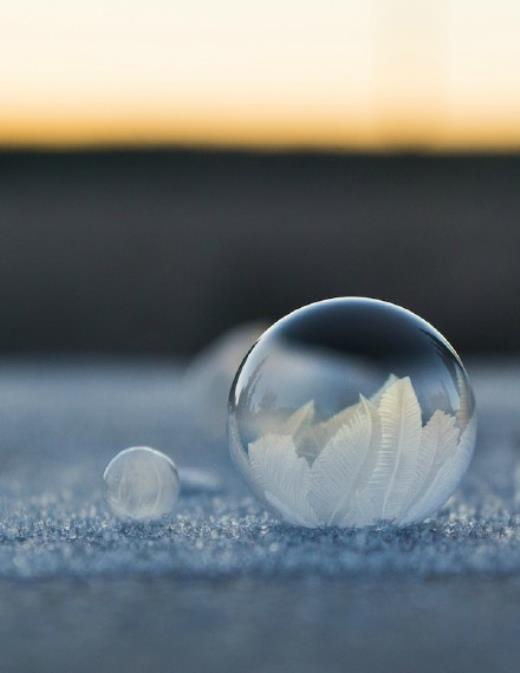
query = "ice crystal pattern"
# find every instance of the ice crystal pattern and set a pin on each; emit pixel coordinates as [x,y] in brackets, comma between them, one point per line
[373,461]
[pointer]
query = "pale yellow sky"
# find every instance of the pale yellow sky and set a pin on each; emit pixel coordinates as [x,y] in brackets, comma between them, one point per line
[344,73]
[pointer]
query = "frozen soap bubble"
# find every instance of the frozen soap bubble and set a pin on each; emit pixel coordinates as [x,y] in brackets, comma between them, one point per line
[141,484]
[349,412]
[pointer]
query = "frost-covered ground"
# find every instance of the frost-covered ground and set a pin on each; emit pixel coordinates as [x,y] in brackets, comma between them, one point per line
[222,585]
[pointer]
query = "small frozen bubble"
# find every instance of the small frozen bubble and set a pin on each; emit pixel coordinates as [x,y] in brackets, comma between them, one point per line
[141,483]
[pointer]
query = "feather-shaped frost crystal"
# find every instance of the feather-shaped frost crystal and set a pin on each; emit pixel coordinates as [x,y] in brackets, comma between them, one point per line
[351,412]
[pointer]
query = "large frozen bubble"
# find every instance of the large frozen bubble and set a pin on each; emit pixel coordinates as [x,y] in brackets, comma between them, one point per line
[349,412]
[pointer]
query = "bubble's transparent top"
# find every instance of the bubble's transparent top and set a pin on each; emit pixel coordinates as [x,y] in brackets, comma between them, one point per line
[358,397]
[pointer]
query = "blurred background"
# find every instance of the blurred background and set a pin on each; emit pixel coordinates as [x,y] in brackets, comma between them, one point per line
[170,170]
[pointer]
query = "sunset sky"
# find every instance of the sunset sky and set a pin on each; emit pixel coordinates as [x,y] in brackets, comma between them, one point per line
[344,73]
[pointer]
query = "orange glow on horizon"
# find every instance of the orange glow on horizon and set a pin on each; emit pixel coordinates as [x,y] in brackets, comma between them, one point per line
[376,75]
[328,133]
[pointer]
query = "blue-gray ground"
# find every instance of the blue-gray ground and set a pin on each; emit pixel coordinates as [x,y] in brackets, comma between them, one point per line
[222,585]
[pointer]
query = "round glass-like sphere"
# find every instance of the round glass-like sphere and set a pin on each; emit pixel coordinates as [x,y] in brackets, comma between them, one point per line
[141,484]
[349,412]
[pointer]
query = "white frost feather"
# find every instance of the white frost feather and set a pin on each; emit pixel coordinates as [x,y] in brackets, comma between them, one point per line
[283,477]
[330,427]
[298,420]
[336,470]
[378,462]
[384,496]
[456,460]
[376,397]
[438,443]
